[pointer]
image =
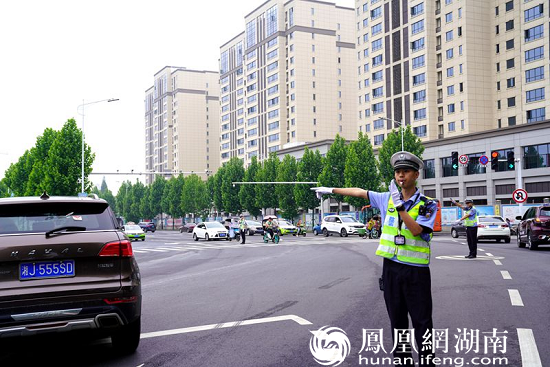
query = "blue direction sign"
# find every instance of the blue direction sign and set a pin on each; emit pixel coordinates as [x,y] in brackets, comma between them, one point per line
[483,160]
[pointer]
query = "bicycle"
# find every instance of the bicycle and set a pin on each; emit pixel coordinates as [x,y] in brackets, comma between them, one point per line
[267,237]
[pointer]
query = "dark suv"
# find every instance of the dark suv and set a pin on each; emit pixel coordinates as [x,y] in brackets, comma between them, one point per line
[534,227]
[65,265]
[148,226]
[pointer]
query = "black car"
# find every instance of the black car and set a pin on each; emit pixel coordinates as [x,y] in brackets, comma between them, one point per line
[148,226]
[534,227]
[65,265]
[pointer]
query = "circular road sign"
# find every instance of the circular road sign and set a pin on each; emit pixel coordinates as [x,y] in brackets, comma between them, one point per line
[463,159]
[483,160]
[519,196]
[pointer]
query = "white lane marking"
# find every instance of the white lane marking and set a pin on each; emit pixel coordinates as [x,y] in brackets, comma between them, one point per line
[153,249]
[497,262]
[464,243]
[480,249]
[528,347]
[141,365]
[515,297]
[140,251]
[294,318]
[461,257]
[171,243]
[505,274]
[488,254]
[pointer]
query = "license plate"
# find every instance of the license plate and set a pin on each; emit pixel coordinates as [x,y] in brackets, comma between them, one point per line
[493,226]
[46,269]
[222,234]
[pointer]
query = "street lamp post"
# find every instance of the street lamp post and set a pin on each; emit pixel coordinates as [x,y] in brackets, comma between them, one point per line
[400,127]
[82,113]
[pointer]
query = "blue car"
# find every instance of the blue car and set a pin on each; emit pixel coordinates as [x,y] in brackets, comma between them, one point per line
[317,229]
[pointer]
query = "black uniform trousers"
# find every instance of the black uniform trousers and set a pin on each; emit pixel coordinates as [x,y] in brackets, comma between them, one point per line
[471,235]
[243,235]
[407,291]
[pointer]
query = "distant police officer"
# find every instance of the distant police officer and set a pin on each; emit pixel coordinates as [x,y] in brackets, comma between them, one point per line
[408,218]
[470,222]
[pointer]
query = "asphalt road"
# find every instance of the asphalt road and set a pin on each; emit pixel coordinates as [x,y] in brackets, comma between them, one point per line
[227,304]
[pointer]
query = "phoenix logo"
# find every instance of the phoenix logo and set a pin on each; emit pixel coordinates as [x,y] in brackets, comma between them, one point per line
[329,346]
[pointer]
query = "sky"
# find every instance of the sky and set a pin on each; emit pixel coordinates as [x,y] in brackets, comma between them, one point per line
[58,54]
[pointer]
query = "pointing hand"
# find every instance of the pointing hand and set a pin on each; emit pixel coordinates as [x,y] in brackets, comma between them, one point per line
[320,191]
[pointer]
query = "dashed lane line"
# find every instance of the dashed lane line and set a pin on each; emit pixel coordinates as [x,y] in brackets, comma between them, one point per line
[294,318]
[497,262]
[528,347]
[488,254]
[515,297]
[505,274]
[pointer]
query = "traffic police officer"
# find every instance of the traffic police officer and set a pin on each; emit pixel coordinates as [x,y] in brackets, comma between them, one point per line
[408,218]
[470,222]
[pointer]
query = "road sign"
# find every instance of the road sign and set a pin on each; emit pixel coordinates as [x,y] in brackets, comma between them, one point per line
[483,160]
[463,159]
[519,196]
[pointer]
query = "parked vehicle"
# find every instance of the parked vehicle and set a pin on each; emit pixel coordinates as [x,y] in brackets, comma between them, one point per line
[490,227]
[66,265]
[254,227]
[187,227]
[148,226]
[134,232]
[317,229]
[343,225]
[534,227]
[210,231]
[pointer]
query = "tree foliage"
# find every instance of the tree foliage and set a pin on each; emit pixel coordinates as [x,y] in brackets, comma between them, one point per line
[233,172]
[247,193]
[360,170]
[334,167]
[194,199]
[308,171]
[286,172]
[265,193]
[392,145]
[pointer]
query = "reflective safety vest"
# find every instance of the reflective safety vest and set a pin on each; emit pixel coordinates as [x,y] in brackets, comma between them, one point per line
[415,250]
[470,222]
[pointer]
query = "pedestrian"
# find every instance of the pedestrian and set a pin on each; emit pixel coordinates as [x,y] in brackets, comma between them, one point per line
[408,218]
[243,226]
[470,222]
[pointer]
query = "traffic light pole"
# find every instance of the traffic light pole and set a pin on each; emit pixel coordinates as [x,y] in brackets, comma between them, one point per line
[519,180]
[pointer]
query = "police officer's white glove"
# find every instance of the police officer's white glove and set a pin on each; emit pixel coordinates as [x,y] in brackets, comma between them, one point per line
[395,195]
[320,191]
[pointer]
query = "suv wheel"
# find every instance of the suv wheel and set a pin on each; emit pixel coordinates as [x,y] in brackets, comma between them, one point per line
[325,232]
[206,237]
[532,244]
[343,233]
[454,233]
[250,233]
[195,237]
[507,240]
[520,244]
[126,339]
[315,232]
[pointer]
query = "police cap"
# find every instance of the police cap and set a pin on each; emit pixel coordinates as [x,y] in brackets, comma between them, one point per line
[406,160]
[468,201]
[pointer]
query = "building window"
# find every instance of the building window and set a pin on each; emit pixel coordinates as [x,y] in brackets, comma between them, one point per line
[534,13]
[450,90]
[449,17]
[534,33]
[417,62]
[378,108]
[376,13]
[449,36]
[510,83]
[377,76]
[450,72]
[429,169]
[510,5]
[251,33]
[512,121]
[510,63]
[378,92]
[534,95]
[417,27]
[536,156]
[474,167]
[510,25]
[419,96]
[538,114]
[448,171]
[376,29]
[535,74]
[419,114]
[451,126]
[419,79]
[378,139]
[417,10]
[449,53]
[534,54]
[510,44]
[451,108]
[502,161]
[418,44]
[378,124]
[512,102]
[376,44]
[377,60]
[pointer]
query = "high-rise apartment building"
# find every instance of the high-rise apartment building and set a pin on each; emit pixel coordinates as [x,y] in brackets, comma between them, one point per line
[182,122]
[288,78]
[450,67]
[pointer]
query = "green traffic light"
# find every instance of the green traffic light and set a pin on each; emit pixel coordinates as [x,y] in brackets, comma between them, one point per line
[455,166]
[511,165]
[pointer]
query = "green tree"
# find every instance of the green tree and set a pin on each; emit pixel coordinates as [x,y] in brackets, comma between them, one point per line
[4,191]
[63,173]
[361,170]
[265,193]
[308,171]
[174,197]
[144,204]
[17,174]
[392,145]
[106,194]
[136,194]
[286,172]
[334,167]
[233,172]
[211,189]
[217,189]
[165,201]
[36,184]
[155,199]
[247,193]
[194,198]
[120,198]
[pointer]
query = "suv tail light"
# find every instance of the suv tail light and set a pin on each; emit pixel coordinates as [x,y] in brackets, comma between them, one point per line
[113,301]
[481,225]
[117,248]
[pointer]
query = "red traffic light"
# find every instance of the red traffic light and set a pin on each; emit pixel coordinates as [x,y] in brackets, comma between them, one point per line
[494,154]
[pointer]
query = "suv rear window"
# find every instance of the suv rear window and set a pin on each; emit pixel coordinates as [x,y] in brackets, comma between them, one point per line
[545,212]
[347,219]
[45,216]
[491,219]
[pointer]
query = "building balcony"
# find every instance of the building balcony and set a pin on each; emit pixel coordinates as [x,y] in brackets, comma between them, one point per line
[439,118]
[438,48]
[439,83]
[439,100]
[437,29]
[438,65]
[440,136]
[437,11]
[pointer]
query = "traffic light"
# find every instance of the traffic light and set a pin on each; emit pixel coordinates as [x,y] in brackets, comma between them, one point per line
[511,159]
[494,160]
[454,160]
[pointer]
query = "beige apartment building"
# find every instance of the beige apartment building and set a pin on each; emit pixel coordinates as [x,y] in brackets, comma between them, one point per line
[450,67]
[182,123]
[287,79]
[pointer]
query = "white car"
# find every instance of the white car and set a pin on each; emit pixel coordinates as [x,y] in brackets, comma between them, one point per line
[254,227]
[343,225]
[210,231]
[493,227]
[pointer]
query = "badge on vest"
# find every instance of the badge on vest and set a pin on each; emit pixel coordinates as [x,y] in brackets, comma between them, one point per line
[399,240]
[391,210]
